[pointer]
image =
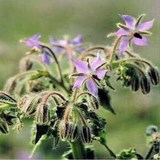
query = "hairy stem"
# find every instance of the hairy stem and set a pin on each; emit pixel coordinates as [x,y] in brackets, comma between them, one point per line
[136,59]
[149,153]
[114,48]
[112,154]
[56,60]
[78,150]
[59,83]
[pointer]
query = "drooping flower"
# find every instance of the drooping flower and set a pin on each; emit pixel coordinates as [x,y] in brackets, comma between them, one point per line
[133,31]
[68,46]
[34,42]
[89,73]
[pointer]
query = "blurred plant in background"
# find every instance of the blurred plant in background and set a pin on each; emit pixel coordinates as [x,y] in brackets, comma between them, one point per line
[40,82]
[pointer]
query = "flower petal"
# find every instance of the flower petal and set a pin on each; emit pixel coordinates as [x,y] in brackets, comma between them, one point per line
[92,87]
[45,58]
[140,42]
[77,40]
[80,50]
[33,41]
[79,81]
[56,42]
[58,49]
[123,45]
[81,66]
[129,21]
[122,32]
[101,73]
[36,36]
[145,26]
[96,63]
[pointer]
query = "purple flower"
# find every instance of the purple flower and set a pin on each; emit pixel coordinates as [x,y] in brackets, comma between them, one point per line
[34,42]
[89,73]
[68,46]
[133,31]
[45,58]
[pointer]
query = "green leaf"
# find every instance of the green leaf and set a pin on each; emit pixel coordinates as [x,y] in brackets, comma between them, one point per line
[105,99]
[41,130]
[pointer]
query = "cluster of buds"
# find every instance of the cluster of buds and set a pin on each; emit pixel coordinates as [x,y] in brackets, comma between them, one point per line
[139,76]
[73,126]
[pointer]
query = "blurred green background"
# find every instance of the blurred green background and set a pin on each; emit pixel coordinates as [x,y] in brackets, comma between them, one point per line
[94,19]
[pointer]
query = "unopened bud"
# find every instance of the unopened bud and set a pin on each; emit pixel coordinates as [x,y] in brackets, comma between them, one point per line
[28,103]
[64,130]
[127,82]
[86,134]
[94,103]
[25,64]
[154,76]
[145,85]
[3,127]
[42,114]
[10,85]
[135,83]
[73,132]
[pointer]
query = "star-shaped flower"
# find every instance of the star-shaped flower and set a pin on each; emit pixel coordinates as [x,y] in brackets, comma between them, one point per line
[133,31]
[89,73]
[34,42]
[68,46]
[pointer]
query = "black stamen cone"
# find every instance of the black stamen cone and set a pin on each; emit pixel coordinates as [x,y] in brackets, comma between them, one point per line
[137,35]
[104,99]
[154,76]
[145,85]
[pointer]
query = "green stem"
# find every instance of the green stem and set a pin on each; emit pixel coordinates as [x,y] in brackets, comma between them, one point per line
[149,153]
[57,62]
[59,83]
[112,154]
[135,59]
[78,150]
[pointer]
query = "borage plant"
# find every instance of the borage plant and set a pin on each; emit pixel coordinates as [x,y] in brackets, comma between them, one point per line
[61,85]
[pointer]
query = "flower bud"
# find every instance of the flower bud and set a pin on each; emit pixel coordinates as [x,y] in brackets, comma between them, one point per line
[135,83]
[154,76]
[3,127]
[86,134]
[73,132]
[25,64]
[42,114]
[94,103]
[64,130]
[28,103]
[145,85]
[127,82]
[10,85]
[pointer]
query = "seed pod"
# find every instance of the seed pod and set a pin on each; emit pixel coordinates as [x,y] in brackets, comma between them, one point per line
[64,130]
[135,83]
[145,85]
[154,76]
[73,132]
[86,134]
[42,114]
